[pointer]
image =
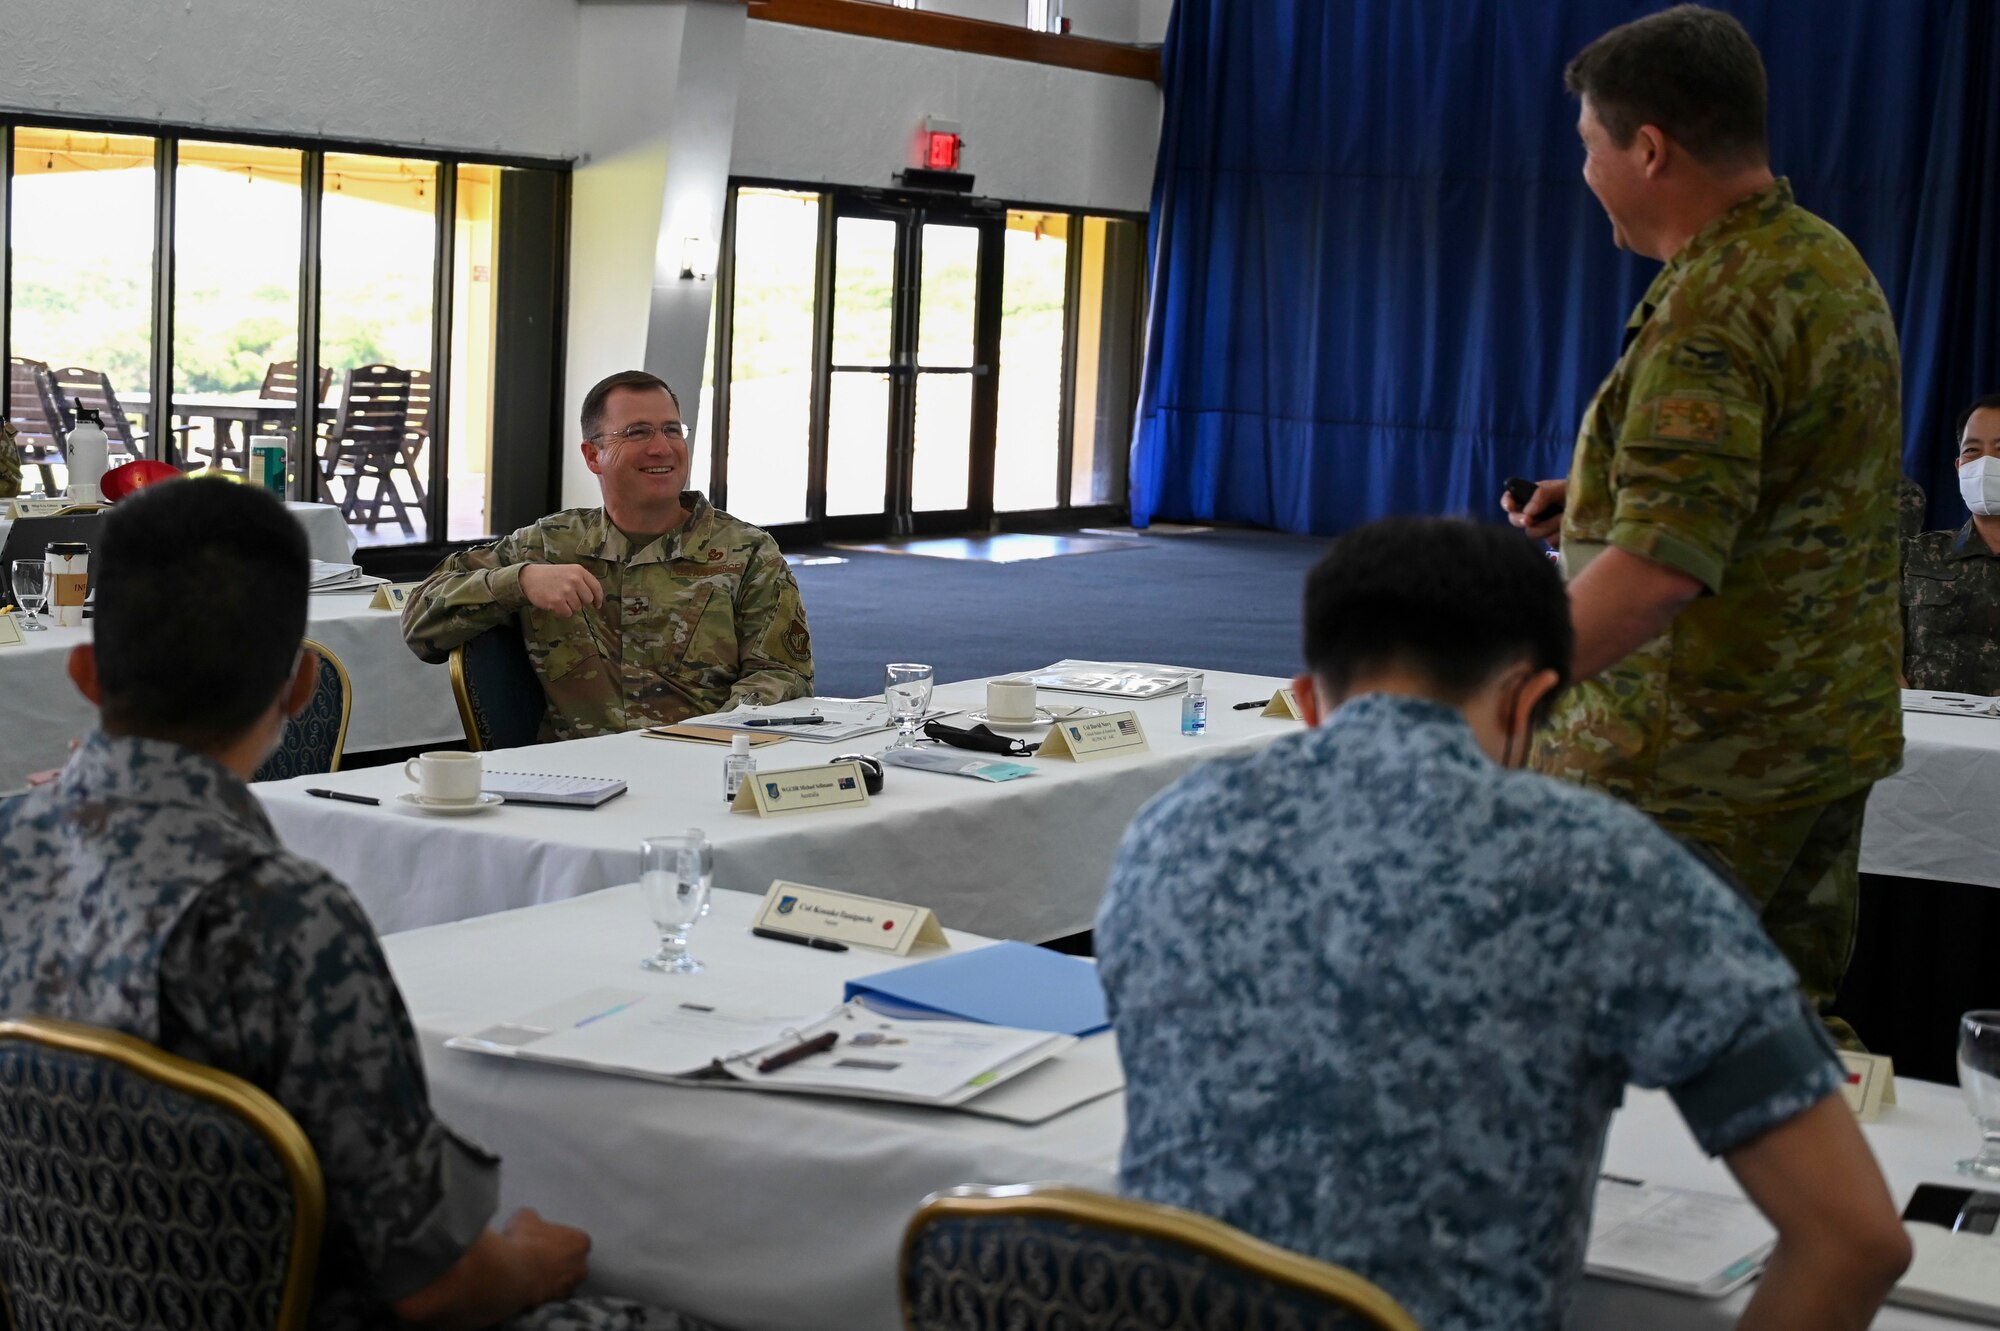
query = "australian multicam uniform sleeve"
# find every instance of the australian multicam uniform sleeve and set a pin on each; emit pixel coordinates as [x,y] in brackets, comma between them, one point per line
[694,622]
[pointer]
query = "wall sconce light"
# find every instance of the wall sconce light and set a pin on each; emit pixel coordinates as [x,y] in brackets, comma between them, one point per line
[697,259]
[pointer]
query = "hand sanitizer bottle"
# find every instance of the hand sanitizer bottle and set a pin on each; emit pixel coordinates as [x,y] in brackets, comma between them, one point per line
[737,766]
[1194,707]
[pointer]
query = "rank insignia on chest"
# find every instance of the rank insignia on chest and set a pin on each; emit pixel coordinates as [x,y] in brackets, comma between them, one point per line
[715,556]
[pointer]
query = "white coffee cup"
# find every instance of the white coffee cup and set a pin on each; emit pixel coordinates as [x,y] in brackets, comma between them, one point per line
[445,777]
[1010,699]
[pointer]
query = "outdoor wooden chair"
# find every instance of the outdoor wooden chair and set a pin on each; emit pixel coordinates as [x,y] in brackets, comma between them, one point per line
[140,1189]
[86,389]
[35,409]
[281,384]
[366,444]
[1040,1254]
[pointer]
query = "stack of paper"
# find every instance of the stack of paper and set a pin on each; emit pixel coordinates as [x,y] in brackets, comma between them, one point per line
[1962,704]
[1116,679]
[1692,1242]
[831,720]
[656,1036]
[328,577]
[570,792]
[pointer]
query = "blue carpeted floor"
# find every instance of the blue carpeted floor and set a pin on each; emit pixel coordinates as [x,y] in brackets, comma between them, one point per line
[1226,600]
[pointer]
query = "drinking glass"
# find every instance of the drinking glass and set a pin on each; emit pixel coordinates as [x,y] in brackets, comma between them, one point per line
[31,589]
[908,693]
[1979,1083]
[673,876]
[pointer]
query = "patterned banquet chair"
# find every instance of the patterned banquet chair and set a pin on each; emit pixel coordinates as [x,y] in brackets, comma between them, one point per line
[500,698]
[138,1189]
[316,737]
[1044,1255]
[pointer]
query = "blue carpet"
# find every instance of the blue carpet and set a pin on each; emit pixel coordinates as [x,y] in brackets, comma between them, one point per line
[1225,600]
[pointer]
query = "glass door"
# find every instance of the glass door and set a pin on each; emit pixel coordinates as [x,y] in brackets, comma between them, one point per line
[910,391]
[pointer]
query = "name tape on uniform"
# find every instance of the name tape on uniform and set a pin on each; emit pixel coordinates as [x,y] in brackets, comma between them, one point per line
[802,790]
[392,595]
[821,912]
[1870,1084]
[1283,703]
[1087,739]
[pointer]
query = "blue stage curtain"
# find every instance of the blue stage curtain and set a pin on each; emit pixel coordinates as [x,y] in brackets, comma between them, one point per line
[1380,285]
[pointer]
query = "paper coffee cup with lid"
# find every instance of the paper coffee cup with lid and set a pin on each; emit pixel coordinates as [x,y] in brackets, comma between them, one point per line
[1010,699]
[69,581]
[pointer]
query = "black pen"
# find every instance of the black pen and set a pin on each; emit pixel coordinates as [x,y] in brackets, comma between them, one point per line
[819,1044]
[1246,706]
[343,795]
[787,721]
[823,944]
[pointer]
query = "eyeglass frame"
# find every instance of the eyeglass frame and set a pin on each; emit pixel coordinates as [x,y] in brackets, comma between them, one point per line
[674,430]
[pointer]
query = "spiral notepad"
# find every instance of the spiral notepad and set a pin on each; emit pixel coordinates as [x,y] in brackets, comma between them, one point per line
[570,792]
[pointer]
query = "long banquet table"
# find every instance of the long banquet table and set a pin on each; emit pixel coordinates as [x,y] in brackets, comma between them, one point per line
[398,701]
[1021,859]
[785,1213]
[1935,819]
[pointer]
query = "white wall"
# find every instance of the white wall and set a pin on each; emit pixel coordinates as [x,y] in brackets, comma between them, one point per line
[472,75]
[830,108]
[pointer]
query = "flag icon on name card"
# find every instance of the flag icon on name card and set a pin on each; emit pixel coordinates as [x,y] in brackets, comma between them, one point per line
[847,783]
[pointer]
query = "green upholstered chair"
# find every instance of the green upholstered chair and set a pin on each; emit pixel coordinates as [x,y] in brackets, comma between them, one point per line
[500,698]
[315,738]
[1043,1255]
[138,1189]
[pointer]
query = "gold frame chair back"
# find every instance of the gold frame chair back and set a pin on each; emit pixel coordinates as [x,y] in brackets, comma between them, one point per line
[462,694]
[332,658]
[1125,1215]
[265,1116]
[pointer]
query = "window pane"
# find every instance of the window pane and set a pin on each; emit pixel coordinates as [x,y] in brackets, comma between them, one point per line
[1108,299]
[82,291]
[950,295]
[236,298]
[938,473]
[378,240]
[771,346]
[864,287]
[701,428]
[857,451]
[1026,448]
[475,250]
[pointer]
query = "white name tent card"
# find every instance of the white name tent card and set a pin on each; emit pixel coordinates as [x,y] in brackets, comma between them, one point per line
[1870,1084]
[37,508]
[1284,704]
[392,595]
[791,790]
[10,631]
[1087,739]
[821,912]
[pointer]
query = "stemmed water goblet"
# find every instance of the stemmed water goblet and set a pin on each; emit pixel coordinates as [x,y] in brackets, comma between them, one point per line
[31,589]
[674,875]
[1979,1083]
[907,690]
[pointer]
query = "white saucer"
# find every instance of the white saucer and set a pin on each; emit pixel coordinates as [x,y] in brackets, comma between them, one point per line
[449,809]
[1043,717]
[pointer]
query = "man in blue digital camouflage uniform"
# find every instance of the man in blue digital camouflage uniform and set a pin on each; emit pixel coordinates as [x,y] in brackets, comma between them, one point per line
[144,890]
[1376,994]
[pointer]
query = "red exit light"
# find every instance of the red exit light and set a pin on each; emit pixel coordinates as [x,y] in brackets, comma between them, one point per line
[943,152]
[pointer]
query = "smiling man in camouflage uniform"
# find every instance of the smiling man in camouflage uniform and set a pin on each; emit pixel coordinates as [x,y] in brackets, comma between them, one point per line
[1731,507]
[646,611]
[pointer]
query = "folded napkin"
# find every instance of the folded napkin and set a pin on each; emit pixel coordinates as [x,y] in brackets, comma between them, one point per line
[979,738]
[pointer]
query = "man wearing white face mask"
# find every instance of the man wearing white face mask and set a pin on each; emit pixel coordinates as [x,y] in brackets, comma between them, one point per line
[1951,580]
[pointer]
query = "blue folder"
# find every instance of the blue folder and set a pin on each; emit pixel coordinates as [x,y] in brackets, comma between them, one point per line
[1008,984]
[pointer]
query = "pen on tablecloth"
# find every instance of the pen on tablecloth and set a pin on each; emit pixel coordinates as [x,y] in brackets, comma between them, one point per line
[1620,1178]
[803,940]
[819,1044]
[343,795]
[786,721]
[1246,706]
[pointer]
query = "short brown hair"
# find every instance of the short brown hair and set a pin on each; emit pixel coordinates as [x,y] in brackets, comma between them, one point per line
[1691,71]
[593,401]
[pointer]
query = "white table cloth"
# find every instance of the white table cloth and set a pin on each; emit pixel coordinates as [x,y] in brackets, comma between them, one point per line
[398,700]
[1937,817]
[785,1213]
[327,533]
[1022,859]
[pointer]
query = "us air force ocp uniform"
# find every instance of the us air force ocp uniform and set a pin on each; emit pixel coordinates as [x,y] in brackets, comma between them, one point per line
[1749,436]
[700,619]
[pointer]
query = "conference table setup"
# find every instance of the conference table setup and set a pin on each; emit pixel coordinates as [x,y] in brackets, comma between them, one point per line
[1934,818]
[1024,859]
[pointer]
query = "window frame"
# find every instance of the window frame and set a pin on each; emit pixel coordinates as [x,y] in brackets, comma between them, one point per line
[167,138]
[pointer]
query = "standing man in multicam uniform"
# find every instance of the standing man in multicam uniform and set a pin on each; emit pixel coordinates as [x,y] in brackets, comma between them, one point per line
[647,611]
[1729,521]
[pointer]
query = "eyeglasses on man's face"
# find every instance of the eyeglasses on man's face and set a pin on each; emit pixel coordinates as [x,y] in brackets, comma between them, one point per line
[643,433]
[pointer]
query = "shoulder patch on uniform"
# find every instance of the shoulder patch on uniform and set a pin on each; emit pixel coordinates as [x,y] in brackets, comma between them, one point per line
[1694,420]
[797,641]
